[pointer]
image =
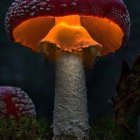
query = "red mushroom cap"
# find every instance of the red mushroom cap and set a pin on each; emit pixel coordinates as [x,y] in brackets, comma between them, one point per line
[110,11]
[15,103]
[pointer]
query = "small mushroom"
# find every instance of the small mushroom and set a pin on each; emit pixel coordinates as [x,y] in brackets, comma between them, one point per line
[15,103]
[71,33]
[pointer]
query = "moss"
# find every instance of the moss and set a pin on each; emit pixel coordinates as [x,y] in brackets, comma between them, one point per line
[23,129]
[34,129]
[105,129]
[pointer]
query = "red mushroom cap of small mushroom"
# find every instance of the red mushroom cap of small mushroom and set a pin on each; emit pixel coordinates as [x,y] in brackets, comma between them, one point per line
[28,21]
[15,103]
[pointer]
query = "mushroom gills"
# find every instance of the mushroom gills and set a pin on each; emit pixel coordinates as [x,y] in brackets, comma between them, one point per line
[105,31]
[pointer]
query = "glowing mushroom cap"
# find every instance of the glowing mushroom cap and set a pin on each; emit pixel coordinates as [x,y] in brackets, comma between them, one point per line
[107,21]
[15,103]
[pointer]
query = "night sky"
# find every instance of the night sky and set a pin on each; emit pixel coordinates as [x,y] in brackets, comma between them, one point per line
[20,66]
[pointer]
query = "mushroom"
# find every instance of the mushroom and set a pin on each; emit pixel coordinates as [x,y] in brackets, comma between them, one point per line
[71,33]
[15,103]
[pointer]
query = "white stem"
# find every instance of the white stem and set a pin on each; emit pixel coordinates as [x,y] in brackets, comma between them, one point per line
[70,108]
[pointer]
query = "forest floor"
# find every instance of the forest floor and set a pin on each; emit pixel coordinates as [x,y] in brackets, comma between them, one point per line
[33,129]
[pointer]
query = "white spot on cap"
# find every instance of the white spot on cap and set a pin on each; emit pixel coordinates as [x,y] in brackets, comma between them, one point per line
[42,3]
[25,6]
[15,99]
[48,9]
[73,3]
[20,108]
[4,110]
[17,105]
[41,8]
[2,105]
[24,2]
[32,14]
[50,5]
[64,5]
[33,7]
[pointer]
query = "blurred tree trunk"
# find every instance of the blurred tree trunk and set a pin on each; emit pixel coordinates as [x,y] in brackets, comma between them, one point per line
[126,104]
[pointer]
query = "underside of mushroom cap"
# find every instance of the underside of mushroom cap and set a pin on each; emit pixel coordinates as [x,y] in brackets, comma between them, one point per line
[66,37]
[69,38]
[28,21]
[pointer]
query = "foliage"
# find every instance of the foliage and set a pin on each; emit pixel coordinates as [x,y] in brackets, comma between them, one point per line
[33,129]
[105,129]
[23,129]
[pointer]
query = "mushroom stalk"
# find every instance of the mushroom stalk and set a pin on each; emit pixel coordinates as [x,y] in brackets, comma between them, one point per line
[70,108]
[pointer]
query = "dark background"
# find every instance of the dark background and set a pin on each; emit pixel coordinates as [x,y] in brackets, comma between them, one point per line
[20,66]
